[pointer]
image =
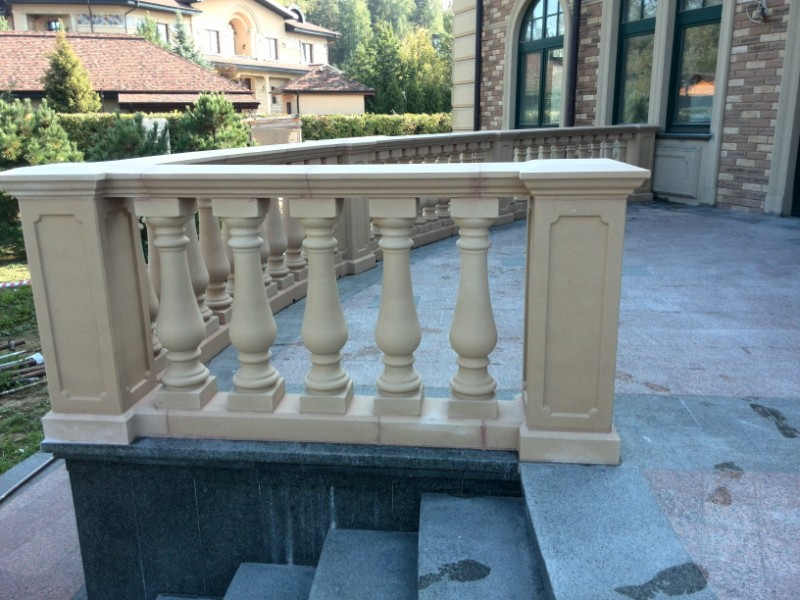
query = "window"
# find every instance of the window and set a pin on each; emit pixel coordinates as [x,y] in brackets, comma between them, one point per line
[163,32]
[271,45]
[308,53]
[212,41]
[694,65]
[541,65]
[634,61]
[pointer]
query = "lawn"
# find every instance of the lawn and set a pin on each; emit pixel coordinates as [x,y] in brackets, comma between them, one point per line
[20,412]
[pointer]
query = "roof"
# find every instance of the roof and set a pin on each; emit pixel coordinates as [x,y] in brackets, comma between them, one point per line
[169,5]
[115,63]
[324,79]
[309,28]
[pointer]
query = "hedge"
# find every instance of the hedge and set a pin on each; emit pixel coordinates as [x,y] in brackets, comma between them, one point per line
[86,128]
[327,127]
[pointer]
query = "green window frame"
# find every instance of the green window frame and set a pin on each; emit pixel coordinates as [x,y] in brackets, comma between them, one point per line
[634,61]
[694,64]
[540,65]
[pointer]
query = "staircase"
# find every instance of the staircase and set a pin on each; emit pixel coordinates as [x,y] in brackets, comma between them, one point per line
[466,549]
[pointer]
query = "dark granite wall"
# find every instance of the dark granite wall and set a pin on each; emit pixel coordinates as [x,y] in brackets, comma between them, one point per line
[179,516]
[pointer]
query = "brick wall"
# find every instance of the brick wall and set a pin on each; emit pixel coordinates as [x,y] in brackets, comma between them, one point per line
[588,57]
[751,105]
[495,24]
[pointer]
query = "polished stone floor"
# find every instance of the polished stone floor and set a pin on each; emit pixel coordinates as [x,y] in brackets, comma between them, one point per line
[708,391]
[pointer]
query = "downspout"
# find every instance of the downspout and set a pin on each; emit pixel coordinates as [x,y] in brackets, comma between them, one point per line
[125,16]
[91,15]
[476,125]
[572,68]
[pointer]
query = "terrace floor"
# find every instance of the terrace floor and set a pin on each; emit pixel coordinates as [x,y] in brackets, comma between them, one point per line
[708,391]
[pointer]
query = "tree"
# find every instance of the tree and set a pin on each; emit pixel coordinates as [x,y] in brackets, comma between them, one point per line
[66,83]
[385,80]
[184,44]
[428,15]
[130,138]
[210,123]
[148,29]
[354,27]
[425,74]
[397,13]
[27,137]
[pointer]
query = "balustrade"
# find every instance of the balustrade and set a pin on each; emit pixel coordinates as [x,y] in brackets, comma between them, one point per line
[280,229]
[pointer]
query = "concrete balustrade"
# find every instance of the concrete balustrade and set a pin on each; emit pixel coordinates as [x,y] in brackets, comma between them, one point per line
[106,307]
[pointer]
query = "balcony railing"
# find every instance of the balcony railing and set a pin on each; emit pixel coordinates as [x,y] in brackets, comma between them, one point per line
[126,342]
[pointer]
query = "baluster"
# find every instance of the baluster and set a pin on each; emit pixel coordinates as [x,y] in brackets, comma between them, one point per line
[328,389]
[226,238]
[257,385]
[152,299]
[473,334]
[153,261]
[621,151]
[529,153]
[608,147]
[186,383]
[294,244]
[519,154]
[582,148]
[276,264]
[397,333]
[199,275]
[541,154]
[215,256]
[269,285]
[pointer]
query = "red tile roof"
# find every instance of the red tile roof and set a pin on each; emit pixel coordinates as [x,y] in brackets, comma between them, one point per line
[115,62]
[325,79]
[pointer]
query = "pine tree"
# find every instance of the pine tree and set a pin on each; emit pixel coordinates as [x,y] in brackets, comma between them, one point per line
[148,29]
[184,44]
[354,27]
[66,83]
[210,123]
[130,138]
[385,50]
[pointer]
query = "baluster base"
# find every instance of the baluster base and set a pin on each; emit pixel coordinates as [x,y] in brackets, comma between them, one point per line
[266,401]
[283,281]
[407,406]
[211,325]
[330,404]
[223,315]
[459,408]
[191,399]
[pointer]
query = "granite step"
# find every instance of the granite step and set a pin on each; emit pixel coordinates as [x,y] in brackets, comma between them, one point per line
[255,581]
[358,564]
[602,534]
[476,548]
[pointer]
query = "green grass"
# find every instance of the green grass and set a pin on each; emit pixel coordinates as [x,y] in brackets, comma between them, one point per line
[17,315]
[21,428]
[14,270]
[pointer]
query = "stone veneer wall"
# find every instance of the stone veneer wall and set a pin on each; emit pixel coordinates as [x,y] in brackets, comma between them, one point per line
[495,24]
[588,58]
[750,118]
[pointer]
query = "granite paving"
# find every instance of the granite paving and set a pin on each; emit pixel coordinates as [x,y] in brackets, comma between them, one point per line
[708,392]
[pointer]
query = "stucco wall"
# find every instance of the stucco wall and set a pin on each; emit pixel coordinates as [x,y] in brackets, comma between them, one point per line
[328,104]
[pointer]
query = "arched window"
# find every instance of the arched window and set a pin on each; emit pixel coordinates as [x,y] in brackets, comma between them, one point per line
[541,65]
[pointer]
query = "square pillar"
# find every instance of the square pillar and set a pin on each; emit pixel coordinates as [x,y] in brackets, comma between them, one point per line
[575,235]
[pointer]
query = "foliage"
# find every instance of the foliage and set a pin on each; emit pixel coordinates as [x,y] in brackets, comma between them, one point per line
[148,29]
[211,123]
[130,138]
[27,137]
[184,44]
[383,73]
[17,314]
[4,26]
[397,13]
[326,127]
[21,430]
[425,74]
[66,83]
[85,128]
[355,29]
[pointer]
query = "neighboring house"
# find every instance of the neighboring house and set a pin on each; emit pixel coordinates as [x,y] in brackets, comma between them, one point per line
[259,42]
[324,91]
[719,77]
[130,73]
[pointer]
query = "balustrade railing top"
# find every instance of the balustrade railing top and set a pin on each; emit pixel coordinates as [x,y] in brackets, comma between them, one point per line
[126,342]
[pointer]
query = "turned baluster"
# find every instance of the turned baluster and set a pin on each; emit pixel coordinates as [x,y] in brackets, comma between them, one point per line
[294,244]
[152,301]
[215,256]
[199,275]
[226,237]
[153,262]
[257,385]
[276,264]
[328,389]
[186,383]
[397,333]
[473,334]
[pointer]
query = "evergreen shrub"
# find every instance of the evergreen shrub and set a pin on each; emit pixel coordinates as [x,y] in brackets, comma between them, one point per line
[328,127]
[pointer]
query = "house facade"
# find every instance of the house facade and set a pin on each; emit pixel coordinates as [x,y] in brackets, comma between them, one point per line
[709,73]
[261,43]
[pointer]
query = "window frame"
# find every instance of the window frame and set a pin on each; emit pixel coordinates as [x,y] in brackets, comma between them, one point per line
[541,46]
[628,30]
[685,20]
[307,58]
[212,35]
[272,48]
